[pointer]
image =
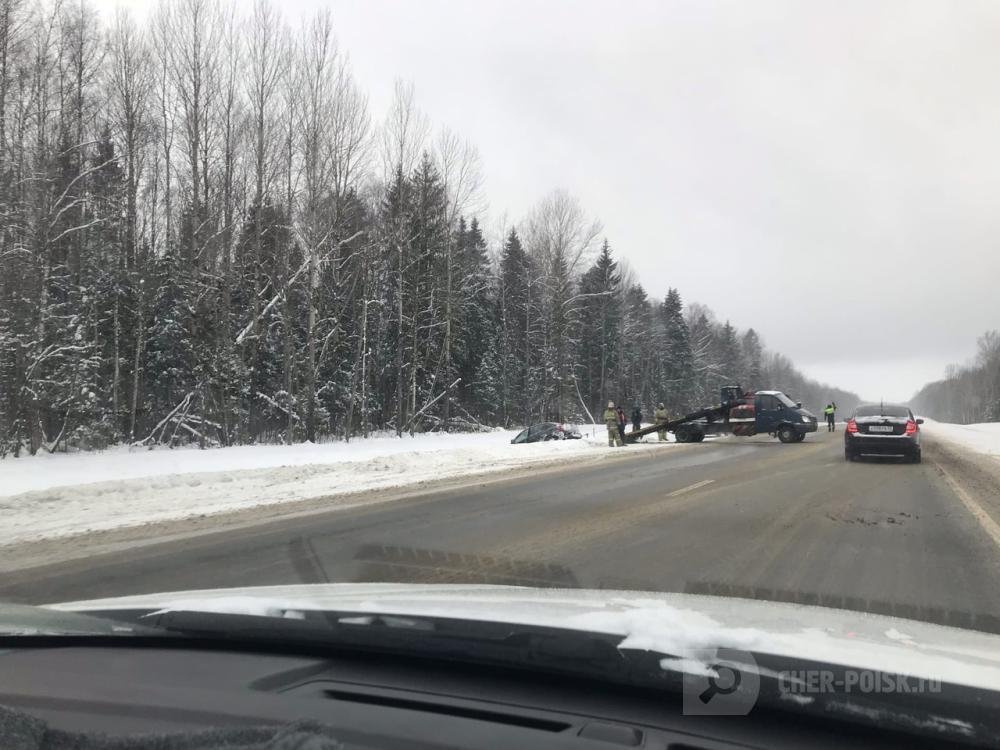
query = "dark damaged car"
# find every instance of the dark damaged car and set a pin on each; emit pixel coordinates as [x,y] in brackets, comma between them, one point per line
[537,433]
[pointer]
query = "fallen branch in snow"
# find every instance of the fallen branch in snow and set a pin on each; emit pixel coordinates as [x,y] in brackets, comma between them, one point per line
[183,424]
[50,447]
[184,421]
[178,422]
[279,407]
[456,424]
[429,404]
[185,402]
[480,427]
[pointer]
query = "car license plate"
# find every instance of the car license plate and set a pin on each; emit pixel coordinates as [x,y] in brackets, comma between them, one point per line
[880,428]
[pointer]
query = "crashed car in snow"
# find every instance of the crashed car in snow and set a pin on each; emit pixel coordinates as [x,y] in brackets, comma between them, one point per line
[536,433]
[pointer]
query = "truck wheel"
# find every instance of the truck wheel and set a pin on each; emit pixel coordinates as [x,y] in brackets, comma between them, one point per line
[786,434]
[698,436]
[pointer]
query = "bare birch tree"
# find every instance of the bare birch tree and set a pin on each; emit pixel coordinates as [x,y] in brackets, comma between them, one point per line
[128,83]
[561,240]
[404,133]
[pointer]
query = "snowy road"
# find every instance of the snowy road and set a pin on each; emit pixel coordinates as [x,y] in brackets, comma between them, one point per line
[743,517]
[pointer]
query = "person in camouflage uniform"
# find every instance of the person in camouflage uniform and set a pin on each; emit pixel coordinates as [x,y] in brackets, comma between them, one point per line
[661,417]
[611,420]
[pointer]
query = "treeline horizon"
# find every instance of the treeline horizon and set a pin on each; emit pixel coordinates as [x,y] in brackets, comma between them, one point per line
[968,393]
[207,237]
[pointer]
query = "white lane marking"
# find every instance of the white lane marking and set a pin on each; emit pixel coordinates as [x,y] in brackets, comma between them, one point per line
[985,520]
[694,486]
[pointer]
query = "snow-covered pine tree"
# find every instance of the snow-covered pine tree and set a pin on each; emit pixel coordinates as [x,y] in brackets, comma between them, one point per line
[477,324]
[517,308]
[679,384]
[730,355]
[600,310]
[752,353]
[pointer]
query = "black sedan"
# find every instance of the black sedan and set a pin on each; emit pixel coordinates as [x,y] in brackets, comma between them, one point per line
[536,433]
[882,430]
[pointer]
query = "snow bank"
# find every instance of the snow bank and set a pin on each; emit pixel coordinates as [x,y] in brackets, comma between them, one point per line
[981,438]
[58,495]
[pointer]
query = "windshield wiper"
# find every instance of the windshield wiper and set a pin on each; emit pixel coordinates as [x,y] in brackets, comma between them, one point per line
[20,620]
[571,652]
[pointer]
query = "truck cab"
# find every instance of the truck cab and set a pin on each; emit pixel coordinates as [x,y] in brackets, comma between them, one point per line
[776,414]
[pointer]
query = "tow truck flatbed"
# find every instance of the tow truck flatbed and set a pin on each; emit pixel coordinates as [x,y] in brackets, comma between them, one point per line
[741,413]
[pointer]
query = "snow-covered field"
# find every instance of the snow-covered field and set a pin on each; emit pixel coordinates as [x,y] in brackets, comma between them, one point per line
[981,438]
[56,495]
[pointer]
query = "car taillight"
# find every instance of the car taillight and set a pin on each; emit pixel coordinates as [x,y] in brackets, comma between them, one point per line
[911,427]
[852,426]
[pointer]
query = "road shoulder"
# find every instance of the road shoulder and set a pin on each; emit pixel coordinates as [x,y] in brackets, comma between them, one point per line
[975,479]
[35,553]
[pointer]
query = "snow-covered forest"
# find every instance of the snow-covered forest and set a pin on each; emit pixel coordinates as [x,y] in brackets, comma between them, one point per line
[968,393]
[208,235]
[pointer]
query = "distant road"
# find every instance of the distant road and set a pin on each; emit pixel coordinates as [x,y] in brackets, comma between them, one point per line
[744,517]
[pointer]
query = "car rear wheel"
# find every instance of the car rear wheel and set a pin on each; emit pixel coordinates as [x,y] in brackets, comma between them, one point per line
[849,456]
[915,458]
[786,434]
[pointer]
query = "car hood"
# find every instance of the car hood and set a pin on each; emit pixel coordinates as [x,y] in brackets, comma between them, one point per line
[663,622]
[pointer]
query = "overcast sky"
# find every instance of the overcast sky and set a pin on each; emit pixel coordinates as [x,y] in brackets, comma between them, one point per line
[828,173]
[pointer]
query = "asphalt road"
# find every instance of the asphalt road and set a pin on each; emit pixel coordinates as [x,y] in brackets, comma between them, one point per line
[745,517]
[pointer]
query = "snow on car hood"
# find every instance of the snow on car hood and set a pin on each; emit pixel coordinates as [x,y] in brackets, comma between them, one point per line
[668,623]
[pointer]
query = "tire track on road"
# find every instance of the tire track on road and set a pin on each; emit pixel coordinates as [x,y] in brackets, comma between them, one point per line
[974,481]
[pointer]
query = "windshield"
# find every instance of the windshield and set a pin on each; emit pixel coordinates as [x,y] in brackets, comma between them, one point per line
[883,410]
[786,401]
[465,294]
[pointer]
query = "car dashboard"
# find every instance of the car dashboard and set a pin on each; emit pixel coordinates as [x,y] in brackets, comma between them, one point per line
[374,701]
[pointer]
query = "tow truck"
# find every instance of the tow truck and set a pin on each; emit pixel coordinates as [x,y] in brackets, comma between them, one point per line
[741,413]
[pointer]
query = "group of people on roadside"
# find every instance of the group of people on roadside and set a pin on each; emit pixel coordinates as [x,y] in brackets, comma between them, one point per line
[614,419]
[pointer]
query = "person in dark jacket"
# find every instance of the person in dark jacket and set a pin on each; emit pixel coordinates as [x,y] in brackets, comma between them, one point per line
[636,418]
[620,412]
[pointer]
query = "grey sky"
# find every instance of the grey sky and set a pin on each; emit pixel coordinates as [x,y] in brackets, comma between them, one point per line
[825,172]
